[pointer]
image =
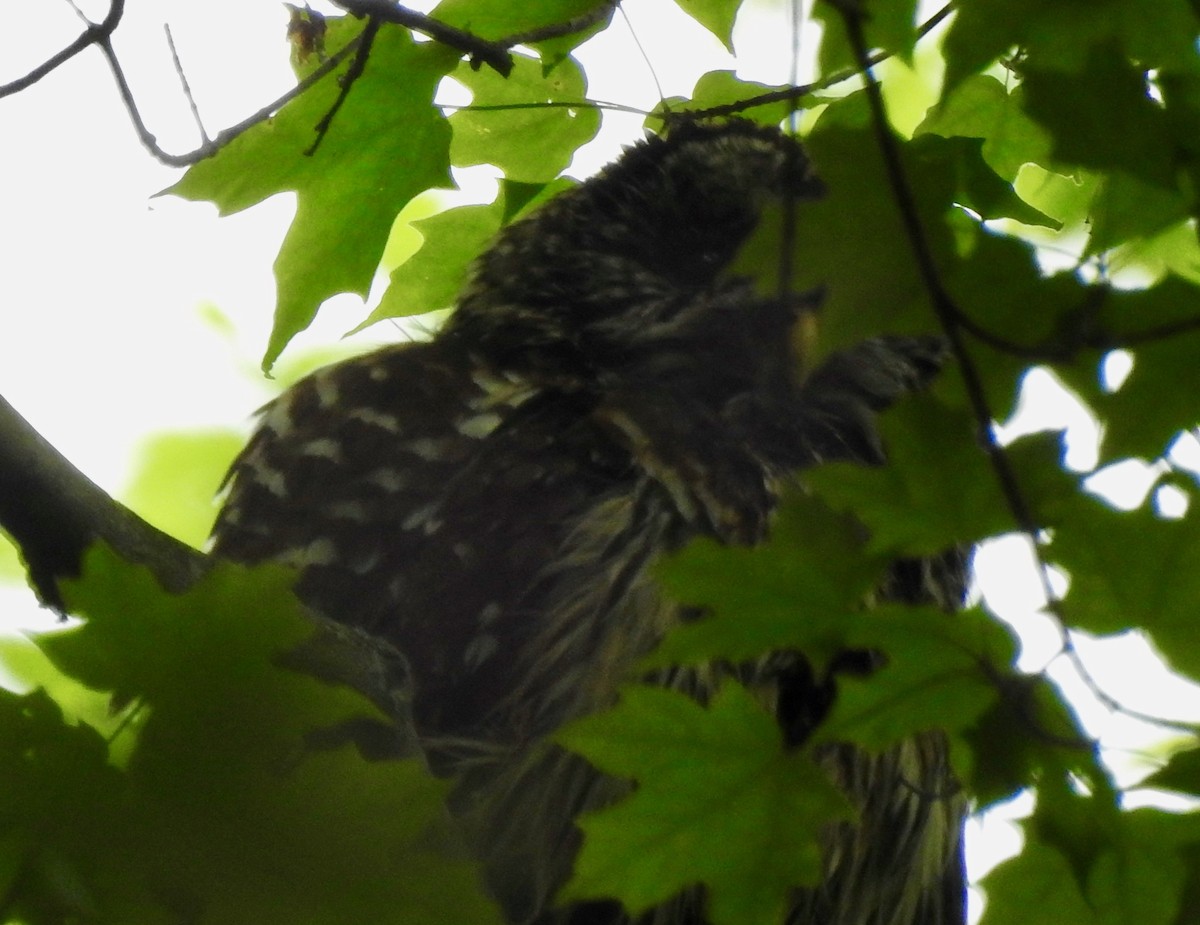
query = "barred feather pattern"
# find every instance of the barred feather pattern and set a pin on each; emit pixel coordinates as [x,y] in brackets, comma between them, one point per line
[491,502]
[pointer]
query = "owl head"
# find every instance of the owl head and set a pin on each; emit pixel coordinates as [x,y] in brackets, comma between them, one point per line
[638,253]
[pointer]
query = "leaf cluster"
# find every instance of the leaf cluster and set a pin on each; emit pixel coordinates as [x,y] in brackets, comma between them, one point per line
[226,790]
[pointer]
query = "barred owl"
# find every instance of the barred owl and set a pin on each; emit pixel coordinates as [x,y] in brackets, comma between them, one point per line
[491,502]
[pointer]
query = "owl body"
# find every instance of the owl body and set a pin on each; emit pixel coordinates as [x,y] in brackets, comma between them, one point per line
[492,502]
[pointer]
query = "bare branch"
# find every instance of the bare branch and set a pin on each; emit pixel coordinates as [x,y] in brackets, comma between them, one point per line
[792,94]
[183,82]
[54,512]
[557,30]
[547,104]
[1064,347]
[493,54]
[227,135]
[92,35]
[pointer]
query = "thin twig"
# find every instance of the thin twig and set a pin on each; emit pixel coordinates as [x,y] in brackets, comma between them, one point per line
[100,34]
[367,38]
[326,67]
[795,17]
[1107,700]
[358,65]
[481,51]
[1046,353]
[787,242]
[645,57]
[794,93]
[1159,332]
[558,30]
[183,82]
[93,34]
[947,313]
[1064,349]
[546,104]
[944,308]
[227,135]
[79,14]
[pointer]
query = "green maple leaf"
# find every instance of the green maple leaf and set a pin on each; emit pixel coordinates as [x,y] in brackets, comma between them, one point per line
[719,801]
[934,676]
[717,16]
[1133,569]
[501,136]
[797,591]
[937,487]
[239,799]
[387,144]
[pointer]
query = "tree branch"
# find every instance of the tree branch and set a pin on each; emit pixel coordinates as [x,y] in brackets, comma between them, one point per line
[92,35]
[54,513]
[557,30]
[480,51]
[793,94]
[184,85]
[208,149]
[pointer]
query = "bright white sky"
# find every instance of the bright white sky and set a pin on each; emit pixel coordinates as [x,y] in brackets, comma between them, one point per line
[109,294]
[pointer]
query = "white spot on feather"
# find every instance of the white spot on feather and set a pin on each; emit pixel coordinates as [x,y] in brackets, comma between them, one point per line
[271,479]
[318,552]
[388,422]
[478,426]
[349,510]
[323,447]
[388,479]
[326,389]
[422,517]
[479,650]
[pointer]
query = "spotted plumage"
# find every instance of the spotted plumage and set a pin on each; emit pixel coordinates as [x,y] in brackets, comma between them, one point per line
[491,503]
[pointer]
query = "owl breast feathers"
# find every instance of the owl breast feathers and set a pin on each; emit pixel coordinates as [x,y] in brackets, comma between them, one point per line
[491,502]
